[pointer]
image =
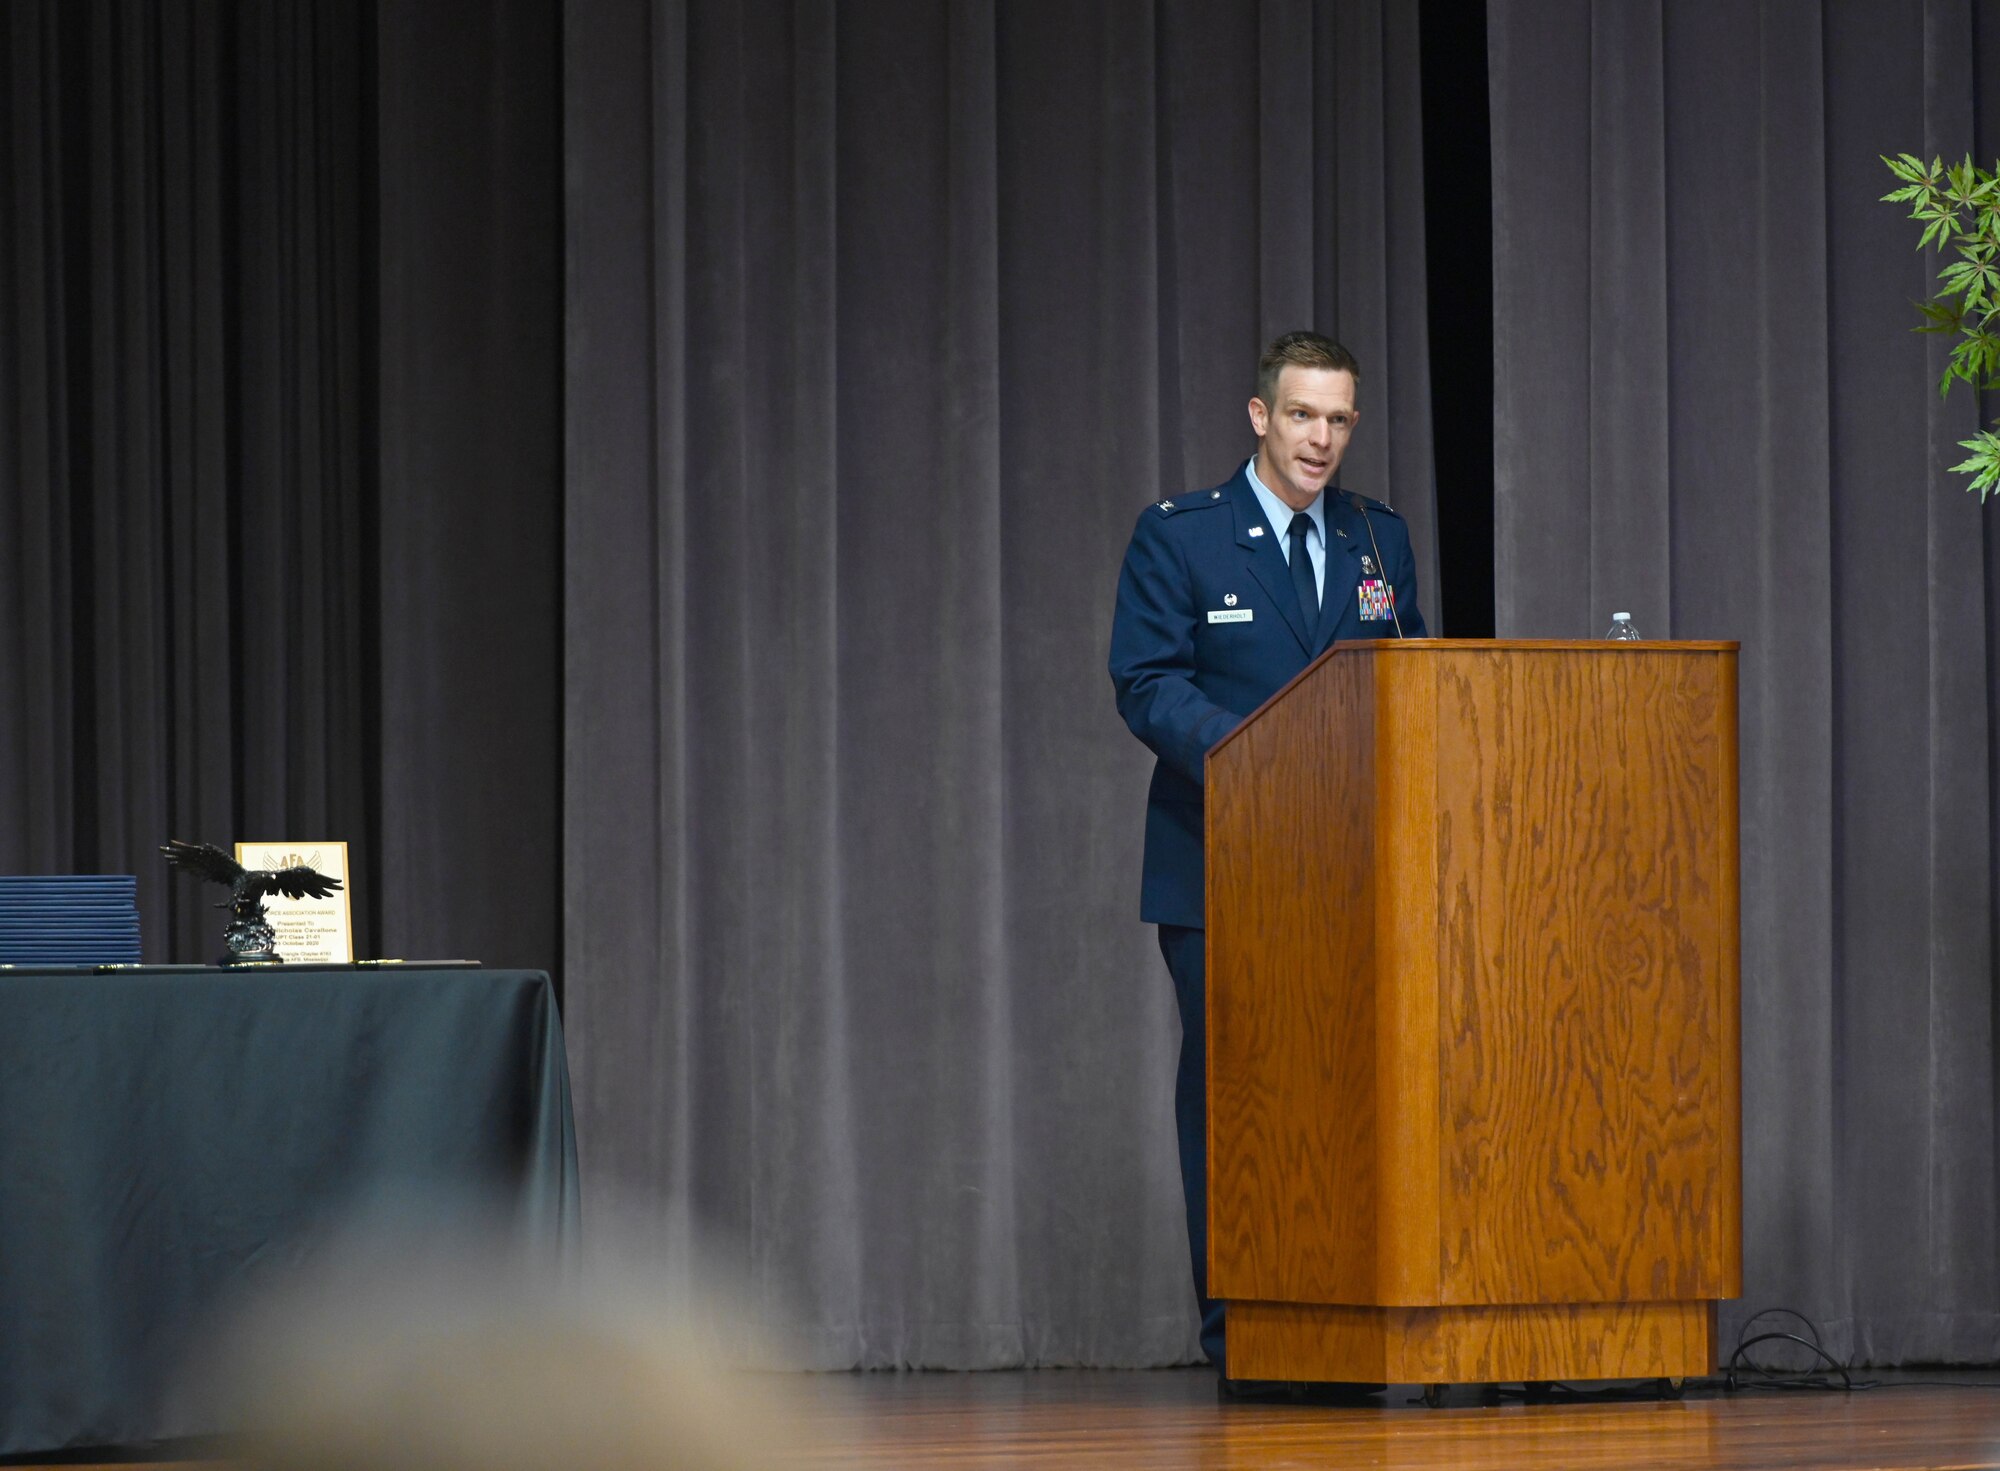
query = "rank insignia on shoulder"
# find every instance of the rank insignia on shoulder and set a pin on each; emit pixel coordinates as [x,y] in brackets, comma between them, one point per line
[1166,507]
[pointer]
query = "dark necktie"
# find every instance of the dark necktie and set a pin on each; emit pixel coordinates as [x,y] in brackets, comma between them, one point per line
[1303,581]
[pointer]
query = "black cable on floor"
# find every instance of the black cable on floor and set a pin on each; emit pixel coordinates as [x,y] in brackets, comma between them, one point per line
[1744,1373]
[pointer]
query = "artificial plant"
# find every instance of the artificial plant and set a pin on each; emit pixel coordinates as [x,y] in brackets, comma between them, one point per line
[1959,207]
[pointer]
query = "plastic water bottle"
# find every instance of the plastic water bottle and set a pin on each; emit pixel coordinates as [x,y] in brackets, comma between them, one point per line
[1622,628]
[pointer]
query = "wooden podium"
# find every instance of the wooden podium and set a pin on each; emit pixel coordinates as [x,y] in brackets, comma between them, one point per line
[1473,1087]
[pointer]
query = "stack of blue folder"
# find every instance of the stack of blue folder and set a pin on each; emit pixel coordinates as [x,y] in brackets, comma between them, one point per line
[69,919]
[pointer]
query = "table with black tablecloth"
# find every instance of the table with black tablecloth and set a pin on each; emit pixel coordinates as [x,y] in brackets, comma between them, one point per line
[171,1139]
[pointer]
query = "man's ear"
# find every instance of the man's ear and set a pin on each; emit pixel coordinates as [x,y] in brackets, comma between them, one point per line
[1260,416]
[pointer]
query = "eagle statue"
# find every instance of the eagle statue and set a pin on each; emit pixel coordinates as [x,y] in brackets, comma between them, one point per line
[249,936]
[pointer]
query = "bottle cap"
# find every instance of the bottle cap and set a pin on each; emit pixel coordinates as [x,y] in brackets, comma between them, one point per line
[1621,617]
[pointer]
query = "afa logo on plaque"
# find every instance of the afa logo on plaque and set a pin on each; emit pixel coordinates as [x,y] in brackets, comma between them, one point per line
[310,931]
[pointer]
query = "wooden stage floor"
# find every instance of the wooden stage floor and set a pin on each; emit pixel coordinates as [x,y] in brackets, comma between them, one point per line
[1167,1419]
[1171,1418]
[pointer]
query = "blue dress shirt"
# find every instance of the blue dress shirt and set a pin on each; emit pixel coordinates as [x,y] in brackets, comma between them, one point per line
[1280,516]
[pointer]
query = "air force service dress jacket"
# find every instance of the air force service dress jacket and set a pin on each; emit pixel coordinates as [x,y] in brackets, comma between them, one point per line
[1208,627]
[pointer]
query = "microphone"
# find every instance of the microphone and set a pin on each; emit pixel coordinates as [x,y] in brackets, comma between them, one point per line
[1361,509]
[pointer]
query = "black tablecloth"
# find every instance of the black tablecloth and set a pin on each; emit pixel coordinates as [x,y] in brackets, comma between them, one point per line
[170,1140]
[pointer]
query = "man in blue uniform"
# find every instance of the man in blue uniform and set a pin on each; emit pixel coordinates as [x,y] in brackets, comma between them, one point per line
[1226,594]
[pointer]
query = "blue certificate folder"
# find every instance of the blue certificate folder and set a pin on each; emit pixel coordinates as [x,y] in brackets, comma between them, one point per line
[69,919]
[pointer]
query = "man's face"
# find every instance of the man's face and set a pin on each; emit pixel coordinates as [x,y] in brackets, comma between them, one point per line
[1303,435]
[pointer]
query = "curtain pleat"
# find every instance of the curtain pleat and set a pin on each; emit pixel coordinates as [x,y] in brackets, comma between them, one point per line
[465,531]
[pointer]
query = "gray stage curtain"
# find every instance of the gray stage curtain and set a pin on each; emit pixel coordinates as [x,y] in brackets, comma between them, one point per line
[279,454]
[183,647]
[1710,412]
[884,323]
[469,232]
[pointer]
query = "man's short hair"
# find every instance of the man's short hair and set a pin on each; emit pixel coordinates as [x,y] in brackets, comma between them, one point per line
[1301,350]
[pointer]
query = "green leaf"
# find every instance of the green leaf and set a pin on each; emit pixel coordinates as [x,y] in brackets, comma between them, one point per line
[1983,464]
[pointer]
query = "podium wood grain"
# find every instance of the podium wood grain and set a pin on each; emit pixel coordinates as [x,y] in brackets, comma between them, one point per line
[1474,1344]
[1473,997]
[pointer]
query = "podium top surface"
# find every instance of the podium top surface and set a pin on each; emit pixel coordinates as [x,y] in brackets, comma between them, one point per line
[1411,646]
[1652,645]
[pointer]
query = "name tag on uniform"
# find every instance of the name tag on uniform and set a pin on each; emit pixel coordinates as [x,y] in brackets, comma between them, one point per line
[1230,615]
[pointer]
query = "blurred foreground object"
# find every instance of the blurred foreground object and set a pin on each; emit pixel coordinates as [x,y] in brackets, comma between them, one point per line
[487,1367]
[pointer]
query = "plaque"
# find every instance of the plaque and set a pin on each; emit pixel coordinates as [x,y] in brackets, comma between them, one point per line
[309,930]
